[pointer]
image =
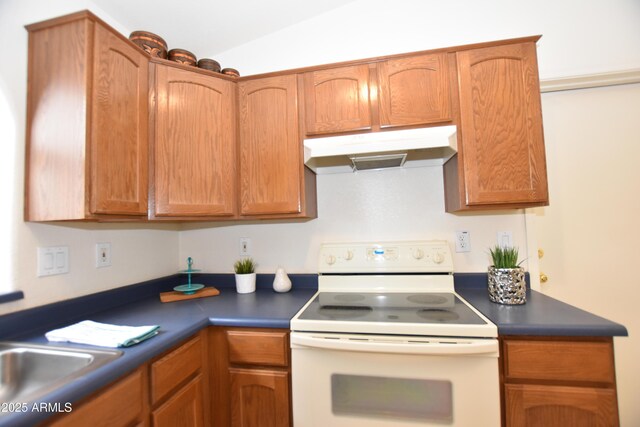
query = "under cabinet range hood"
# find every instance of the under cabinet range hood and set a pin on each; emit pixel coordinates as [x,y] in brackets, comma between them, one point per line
[378,150]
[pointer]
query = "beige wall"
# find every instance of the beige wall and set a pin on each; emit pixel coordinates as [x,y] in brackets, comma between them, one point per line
[138,252]
[589,232]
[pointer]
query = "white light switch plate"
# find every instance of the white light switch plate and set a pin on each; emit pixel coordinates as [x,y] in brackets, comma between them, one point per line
[53,260]
[505,238]
[245,246]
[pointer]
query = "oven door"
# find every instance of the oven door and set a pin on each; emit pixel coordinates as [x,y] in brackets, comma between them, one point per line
[368,380]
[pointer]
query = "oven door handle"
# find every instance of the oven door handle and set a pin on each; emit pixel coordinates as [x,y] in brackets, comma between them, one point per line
[377,344]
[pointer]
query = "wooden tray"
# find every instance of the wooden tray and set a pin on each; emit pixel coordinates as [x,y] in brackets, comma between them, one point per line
[179,296]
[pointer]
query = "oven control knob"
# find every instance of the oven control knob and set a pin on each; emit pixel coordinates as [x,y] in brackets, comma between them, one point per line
[348,255]
[330,259]
[438,258]
[418,254]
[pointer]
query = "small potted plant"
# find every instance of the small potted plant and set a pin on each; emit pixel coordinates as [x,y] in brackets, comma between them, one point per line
[245,269]
[506,277]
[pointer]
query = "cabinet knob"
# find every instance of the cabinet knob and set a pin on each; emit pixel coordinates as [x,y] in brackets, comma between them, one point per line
[543,278]
[540,253]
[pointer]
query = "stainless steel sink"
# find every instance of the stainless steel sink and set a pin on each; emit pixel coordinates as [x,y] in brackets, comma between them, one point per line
[29,371]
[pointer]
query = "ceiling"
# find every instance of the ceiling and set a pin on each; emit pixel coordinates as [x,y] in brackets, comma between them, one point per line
[207,28]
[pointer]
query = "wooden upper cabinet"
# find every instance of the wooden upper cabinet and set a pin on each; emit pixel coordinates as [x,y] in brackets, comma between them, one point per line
[87,121]
[194,144]
[337,100]
[271,166]
[414,90]
[119,142]
[500,142]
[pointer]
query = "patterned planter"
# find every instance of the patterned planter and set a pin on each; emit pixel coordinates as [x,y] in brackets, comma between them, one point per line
[507,285]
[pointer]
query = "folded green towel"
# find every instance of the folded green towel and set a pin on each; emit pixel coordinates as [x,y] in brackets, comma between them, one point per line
[103,334]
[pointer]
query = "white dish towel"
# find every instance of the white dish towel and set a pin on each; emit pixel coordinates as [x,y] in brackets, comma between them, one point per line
[102,334]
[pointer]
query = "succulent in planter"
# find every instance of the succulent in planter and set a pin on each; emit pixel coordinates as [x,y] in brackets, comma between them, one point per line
[506,277]
[245,269]
[244,266]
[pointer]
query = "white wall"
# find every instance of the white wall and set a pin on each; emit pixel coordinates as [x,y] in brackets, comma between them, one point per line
[589,232]
[139,252]
[383,205]
[578,37]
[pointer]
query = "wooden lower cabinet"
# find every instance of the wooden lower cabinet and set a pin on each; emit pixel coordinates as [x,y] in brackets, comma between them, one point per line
[184,408]
[170,390]
[259,397]
[178,385]
[120,404]
[558,381]
[543,405]
[222,377]
[250,377]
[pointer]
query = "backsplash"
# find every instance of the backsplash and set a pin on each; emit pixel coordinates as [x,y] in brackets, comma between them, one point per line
[392,204]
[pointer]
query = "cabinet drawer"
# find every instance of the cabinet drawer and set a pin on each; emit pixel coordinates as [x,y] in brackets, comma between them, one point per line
[259,347]
[559,360]
[118,405]
[173,369]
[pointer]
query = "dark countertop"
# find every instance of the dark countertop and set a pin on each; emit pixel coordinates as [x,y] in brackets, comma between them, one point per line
[178,321]
[541,315]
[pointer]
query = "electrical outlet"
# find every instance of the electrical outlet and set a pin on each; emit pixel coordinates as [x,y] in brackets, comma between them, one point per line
[505,238]
[245,246]
[103,255]
[463,241]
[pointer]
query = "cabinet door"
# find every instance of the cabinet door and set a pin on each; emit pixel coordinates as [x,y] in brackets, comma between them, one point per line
[119,121]
[194,154]
[549,406]
[120,404]
[414,90]
[502,146]
[337,100]
[184,408]
[259,398]
[270,147]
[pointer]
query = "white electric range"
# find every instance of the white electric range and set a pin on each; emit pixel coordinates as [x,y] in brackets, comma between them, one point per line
[386,341]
